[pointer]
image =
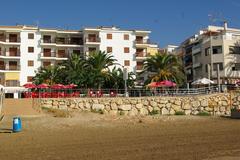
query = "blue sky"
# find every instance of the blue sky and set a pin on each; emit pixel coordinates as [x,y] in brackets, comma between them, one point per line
[171,21]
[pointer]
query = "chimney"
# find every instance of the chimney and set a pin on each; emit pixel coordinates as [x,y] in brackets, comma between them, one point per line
[225,25]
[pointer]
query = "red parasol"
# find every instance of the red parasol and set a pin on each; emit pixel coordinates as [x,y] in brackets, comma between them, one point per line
[42,86]
[70,86]
[57,86]
[29,85]
[167,83]
[154,85]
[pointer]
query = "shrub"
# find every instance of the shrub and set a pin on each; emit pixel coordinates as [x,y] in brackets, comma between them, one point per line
[180,113]
[100,111]
[203,114]
[154,112]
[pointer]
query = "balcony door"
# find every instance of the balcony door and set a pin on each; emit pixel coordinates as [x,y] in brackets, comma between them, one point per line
[13,52]
[47,52]
[2,65]
[12,65]
[13,37]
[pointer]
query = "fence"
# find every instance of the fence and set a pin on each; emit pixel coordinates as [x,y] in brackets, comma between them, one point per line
[68,93]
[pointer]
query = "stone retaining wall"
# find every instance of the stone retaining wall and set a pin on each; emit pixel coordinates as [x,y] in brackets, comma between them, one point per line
[216,104]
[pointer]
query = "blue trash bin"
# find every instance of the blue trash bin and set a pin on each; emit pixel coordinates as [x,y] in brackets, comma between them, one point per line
[17,124]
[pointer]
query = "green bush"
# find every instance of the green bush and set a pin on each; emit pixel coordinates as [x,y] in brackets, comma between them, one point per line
[154,112]
[180,113]
[203,114]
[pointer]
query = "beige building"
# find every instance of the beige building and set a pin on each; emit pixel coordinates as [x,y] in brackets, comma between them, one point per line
[212,47]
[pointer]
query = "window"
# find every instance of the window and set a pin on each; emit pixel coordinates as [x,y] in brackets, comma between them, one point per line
[29,78]
[46,64]
[30,63]
[236,67]
[126,63]
[109,49]
[30,49]
[126,36]
[215,66]
[217,49]
[206,68]
[207,51]
[109,36]
[234,49]
[30,36]
[126,49]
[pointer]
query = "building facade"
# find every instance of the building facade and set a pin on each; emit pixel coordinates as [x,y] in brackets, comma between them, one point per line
[212,48]
[24,49]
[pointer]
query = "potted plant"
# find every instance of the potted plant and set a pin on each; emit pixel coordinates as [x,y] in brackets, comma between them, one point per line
[235,113]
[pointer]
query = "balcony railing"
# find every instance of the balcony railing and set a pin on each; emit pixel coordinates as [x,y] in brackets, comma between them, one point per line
[62,55]
[10,54]
[10,67]
[92,39]
[12,83]
[139,67]
[142,41]
[141,54]
[49,54]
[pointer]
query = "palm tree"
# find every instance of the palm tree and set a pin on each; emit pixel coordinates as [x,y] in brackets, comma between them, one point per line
[164,67]
[99,63]
[116,80]
[49,75]
[75,69]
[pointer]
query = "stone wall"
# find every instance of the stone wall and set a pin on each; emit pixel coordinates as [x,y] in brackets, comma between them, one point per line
[216,104]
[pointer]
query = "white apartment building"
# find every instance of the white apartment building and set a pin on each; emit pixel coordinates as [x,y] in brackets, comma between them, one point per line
[24,49]
[211,47]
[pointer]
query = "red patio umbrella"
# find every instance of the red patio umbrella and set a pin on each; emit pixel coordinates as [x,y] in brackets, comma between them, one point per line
[57,86]
[29,85]
[154,85]
[70,86]
[167,83]
[43,86]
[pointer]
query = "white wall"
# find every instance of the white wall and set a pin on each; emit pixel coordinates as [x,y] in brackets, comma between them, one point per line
[118,43]
[25,56]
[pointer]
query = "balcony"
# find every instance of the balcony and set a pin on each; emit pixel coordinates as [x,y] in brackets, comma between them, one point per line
[141,55]
[13,39]
[12,83]
[6,68]
[142,43]
[92,40]
[10,54]
[62,55]
[139,68]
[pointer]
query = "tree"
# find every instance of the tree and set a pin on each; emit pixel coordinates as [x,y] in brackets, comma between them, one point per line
[116,80]
[49,75]
[76,70]
[99,63]
[164,67]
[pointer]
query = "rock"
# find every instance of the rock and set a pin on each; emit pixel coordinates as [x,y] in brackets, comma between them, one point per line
[168,105]
[195,112]
[119,101]
[163,101]
[153,104]
[133,112]
[176,107]
[178,103]
[123,113]
[98,107]
[150,109]
[125,107]
[163,105]
[73,105]
[172,111]
[139,106]
[156,109]
[238,98]
[114,106]
[107,108]
[62,107]
[165,111]
[195,104]
[80,105]
[186,106]
[224,103]
[222,109]
[145,103]
[87,105]
[113,112]
[204,103]
[187,112]
[143,111]
[209,109]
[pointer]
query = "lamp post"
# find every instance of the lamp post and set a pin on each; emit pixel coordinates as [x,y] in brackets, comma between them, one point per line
[125,77]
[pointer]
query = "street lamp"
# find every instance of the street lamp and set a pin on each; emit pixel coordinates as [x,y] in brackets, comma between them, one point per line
[125,77]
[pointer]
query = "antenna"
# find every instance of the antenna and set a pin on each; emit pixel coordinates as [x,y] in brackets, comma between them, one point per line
[217,18]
